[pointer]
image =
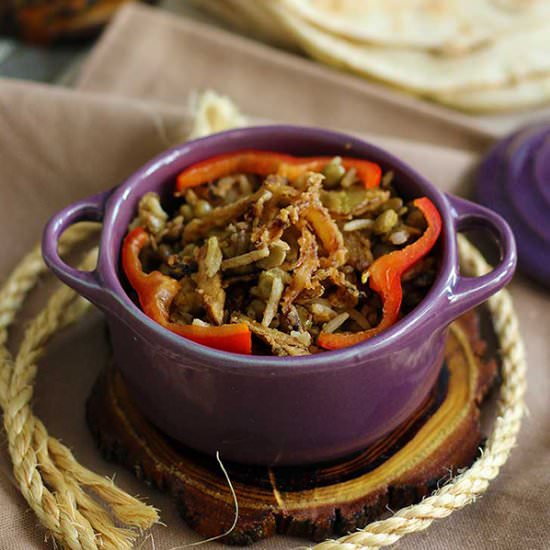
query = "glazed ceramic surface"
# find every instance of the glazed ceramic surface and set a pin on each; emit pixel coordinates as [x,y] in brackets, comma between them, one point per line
[277,410]
[514,180]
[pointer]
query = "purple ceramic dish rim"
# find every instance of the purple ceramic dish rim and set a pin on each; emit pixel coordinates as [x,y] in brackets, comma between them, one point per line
[450,295]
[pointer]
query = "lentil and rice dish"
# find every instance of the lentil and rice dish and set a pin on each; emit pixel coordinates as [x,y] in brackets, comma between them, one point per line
[261,252]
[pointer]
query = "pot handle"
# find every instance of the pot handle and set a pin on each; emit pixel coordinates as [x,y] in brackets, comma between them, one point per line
[468,292]
[86,283]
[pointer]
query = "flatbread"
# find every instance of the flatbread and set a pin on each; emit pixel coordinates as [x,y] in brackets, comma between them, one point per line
[249,20]
[443,25]
[510,73]
[514,57]
[258,18]
[521,95]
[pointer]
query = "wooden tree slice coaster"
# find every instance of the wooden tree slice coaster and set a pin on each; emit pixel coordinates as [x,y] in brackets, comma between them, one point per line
[318,501]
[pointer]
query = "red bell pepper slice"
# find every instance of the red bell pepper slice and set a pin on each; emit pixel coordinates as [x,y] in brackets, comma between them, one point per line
[264,163]
[156,292]
[385,279]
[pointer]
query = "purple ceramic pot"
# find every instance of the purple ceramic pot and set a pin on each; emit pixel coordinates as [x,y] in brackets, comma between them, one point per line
[275,410]
[514,180]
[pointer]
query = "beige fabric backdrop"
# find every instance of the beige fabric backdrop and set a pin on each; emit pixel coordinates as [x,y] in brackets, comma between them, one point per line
[58,145]
[220,56]
[149,54]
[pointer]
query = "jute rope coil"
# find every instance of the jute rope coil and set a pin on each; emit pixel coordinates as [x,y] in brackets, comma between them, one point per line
[53,483]
[57,487]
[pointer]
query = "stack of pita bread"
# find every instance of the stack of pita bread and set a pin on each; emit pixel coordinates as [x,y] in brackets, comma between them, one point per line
[474,55]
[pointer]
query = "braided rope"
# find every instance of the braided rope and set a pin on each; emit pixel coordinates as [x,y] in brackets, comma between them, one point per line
[466,487]
[49,477]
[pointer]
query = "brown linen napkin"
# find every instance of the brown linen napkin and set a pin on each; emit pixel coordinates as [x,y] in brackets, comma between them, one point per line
[149,54]
[144,37]
[87,143]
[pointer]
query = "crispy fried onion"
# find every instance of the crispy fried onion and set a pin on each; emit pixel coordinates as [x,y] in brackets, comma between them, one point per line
[346,294]
[276,218]
[308,263]
[221,216]
[311,208]
[280,343]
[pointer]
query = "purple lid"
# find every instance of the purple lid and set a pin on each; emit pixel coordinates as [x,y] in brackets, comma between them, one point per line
[514,180]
